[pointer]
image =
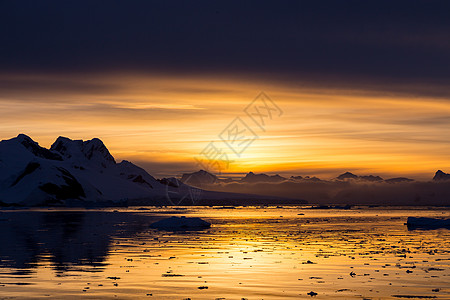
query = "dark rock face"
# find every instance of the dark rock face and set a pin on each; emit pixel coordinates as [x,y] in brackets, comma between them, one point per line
[37,150]
[173,182]
[139,179]
[439,176]
[59,146]
[30,168]
[71,190]
[96,146]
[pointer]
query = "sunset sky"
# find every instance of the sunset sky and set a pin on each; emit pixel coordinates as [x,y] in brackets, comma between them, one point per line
[364,86]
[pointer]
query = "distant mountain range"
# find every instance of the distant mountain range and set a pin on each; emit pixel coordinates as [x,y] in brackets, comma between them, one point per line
[347,188]
[76,172]
[203,177]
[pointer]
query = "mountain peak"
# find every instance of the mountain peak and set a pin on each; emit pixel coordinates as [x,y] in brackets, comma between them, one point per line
[34,147]
[23,137]
[440,175]
[92,149]
[203,172]
[198,178]
[347,175]
[254,178]
[96,146]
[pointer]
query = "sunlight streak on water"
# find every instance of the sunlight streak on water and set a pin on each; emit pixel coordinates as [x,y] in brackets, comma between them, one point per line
[256,253]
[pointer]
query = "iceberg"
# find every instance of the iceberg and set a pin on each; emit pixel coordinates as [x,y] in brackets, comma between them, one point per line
[427,223]
[181,223]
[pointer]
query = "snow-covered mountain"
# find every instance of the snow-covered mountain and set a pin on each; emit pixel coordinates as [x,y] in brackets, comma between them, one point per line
[71,171]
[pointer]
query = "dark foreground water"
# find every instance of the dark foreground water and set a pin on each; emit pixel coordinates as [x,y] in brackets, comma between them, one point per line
[253,253]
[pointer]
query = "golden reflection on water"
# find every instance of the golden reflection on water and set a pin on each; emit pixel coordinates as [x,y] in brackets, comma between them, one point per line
[253,253]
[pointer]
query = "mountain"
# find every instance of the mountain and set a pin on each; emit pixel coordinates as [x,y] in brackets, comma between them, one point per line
[199,178]
[370,178]
[84,173]
[347,175]
[398,180]
[441,176]
[70,171]
[255,178]
[350,176]
[312,179]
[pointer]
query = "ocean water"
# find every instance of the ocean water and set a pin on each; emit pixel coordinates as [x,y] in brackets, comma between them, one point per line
[249,252]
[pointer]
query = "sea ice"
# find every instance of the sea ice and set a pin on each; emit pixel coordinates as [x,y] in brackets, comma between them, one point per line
[427,223]
[181,223]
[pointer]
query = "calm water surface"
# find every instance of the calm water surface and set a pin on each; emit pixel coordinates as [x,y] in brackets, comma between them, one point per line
[252,253]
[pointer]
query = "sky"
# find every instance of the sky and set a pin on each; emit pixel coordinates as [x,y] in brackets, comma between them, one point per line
[360,86]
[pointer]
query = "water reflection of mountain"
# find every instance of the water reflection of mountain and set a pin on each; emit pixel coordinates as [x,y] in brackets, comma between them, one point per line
[68,240]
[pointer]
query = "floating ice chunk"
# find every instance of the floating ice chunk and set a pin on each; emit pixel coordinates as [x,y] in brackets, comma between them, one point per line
[427,223]
[183,223]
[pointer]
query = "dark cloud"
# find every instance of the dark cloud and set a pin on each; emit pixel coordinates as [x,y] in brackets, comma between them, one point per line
[402,41]
[34,86]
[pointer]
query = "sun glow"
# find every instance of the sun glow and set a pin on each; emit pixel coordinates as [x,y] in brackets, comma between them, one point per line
[163,120]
